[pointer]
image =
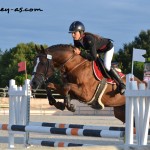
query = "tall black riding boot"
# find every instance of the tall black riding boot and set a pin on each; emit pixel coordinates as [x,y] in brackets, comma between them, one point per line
[115,76]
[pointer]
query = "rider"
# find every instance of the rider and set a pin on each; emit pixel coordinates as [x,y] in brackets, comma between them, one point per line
[89,45]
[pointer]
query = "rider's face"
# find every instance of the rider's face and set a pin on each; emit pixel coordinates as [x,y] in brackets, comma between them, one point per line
[76,35]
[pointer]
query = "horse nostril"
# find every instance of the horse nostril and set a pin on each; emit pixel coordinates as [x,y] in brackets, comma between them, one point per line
[34,83]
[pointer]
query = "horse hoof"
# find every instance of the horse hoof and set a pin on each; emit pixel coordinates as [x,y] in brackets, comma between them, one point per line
[60,106]
[72,108]
[96,106]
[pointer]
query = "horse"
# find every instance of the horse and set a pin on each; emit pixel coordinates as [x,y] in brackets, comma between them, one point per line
[77,80]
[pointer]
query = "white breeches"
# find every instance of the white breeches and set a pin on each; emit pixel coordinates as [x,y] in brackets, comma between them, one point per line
[108,58]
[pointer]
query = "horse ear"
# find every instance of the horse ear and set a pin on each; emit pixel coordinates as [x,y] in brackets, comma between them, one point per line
[42,49]
[37,49]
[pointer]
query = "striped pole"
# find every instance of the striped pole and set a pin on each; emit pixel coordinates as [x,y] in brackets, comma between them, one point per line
[79,126]
[55,143]
[66,131]
[3,126]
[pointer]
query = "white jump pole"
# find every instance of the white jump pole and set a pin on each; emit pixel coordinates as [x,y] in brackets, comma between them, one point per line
[12,89]
[19,109]
[129,112]
[146,116]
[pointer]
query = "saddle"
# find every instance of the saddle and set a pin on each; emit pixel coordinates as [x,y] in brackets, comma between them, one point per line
[100,72]
[103,77]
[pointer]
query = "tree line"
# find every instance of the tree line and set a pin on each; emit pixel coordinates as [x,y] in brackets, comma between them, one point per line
[9,59]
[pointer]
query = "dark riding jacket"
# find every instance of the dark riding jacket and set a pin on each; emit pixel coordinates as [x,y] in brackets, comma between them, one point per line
[91,45]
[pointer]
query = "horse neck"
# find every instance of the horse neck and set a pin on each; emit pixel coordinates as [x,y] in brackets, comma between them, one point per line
[73,63]
[60,56]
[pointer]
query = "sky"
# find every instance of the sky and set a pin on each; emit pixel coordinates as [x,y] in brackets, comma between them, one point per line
[119,20]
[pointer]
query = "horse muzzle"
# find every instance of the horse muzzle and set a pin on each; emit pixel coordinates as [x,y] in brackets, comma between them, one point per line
[36,83]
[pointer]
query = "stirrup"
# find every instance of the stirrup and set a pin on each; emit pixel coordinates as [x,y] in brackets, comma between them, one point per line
[122,88]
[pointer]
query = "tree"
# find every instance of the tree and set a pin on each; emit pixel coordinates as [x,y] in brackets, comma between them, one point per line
[9,63]
[124,56]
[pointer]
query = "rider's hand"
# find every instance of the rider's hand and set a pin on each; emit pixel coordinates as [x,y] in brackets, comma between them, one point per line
[77,51]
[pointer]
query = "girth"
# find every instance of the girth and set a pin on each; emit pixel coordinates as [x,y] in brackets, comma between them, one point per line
[99,90]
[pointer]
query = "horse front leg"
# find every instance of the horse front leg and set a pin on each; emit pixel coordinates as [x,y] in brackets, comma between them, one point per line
[51,99]
[63,91]
[67,102]
[77,92]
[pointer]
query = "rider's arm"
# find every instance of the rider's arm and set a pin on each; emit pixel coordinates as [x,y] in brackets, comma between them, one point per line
[90,53]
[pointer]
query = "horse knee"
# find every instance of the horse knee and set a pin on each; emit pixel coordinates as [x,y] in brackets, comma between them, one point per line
[51,99]
[66,89]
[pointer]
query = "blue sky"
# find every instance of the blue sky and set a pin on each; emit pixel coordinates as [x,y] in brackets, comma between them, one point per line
[120,20]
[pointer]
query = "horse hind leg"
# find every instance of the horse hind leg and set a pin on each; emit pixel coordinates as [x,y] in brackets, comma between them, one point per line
[119,112]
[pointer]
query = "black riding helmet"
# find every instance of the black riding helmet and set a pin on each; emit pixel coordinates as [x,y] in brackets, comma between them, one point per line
[76,26]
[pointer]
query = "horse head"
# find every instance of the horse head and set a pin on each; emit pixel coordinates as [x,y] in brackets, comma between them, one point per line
[43,68]
[47,60]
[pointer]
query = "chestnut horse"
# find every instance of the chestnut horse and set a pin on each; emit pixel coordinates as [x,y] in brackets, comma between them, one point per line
[78,80]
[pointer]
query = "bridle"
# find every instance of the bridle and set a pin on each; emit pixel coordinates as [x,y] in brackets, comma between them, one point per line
[47,65]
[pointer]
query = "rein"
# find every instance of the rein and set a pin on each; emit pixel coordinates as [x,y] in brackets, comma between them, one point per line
[65,62]
[84,61]
[59,68]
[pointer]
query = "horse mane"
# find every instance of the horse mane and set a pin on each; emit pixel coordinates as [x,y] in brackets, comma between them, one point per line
[68,46]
